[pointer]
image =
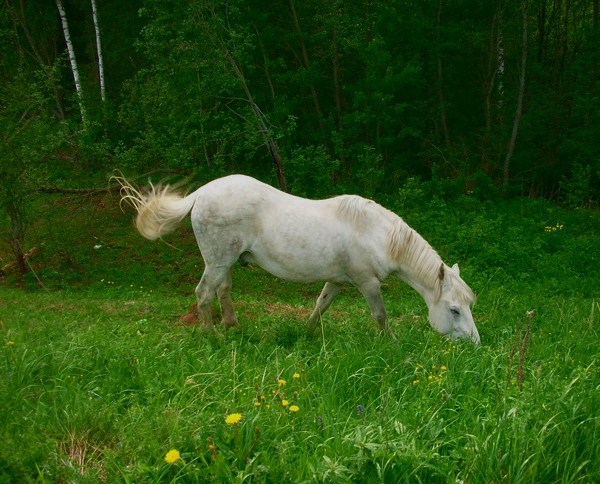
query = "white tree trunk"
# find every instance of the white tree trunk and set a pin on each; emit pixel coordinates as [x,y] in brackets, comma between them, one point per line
[99,49]
[500,63]
[74,68]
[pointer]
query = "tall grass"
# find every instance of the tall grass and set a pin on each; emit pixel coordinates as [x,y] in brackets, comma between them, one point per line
[100,379]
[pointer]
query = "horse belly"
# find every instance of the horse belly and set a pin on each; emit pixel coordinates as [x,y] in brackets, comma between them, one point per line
[292,256]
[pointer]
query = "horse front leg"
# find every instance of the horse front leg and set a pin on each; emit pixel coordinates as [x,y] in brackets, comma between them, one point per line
[371,291]
[330,290]
[228,316]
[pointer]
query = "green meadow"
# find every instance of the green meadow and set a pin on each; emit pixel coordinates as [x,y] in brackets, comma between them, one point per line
[100,379]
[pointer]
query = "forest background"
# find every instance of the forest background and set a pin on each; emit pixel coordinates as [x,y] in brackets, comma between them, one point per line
[498,97]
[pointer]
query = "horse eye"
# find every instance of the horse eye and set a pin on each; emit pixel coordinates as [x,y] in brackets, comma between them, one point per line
[455,311]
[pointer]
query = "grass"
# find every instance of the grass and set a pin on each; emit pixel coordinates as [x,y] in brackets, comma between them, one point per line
[100,379]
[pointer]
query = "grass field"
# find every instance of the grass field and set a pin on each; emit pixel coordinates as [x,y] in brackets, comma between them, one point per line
[100,379]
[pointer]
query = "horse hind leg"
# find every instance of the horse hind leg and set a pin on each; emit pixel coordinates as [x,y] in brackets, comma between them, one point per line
[228,316]
[330,290]
[206,290]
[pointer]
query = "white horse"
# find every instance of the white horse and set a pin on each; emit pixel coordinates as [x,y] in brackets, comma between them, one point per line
[340,240]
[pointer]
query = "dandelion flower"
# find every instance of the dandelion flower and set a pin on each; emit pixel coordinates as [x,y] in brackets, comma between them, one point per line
[257,404]
[285,403]
[294,408]
[172,456]
[443,368]
[296,375]
[281,382]
[233,418]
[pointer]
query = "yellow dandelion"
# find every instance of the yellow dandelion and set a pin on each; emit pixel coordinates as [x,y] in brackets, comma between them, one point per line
[257,404]
[10,343]
[294,408]
[296,375]
[443,368]
[233,418]
[281,382]
[172,456]
[415,382]
[285,403]
[430,377]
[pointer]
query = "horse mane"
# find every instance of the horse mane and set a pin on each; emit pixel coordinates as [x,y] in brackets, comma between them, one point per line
[405,245]
[354,208]
[408,247]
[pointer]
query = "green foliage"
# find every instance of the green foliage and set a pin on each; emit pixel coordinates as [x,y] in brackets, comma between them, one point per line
[578,188]
[378,92]
[102,379]
[311,172]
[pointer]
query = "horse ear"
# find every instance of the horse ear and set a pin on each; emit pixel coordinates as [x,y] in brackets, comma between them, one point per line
[456,269]
[444,279]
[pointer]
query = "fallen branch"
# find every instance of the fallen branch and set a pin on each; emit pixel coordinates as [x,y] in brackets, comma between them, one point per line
[30,253]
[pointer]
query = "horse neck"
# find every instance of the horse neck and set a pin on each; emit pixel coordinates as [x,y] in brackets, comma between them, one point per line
[427,290]
[418,265]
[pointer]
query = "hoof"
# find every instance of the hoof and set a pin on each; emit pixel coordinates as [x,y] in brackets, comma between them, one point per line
[189,319]
[230,324]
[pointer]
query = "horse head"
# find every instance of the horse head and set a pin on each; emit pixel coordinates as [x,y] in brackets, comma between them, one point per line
[450,313]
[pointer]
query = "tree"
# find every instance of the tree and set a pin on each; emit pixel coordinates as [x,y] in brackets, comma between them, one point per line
[520,96]
[27,136]
[99,51]
[72,60]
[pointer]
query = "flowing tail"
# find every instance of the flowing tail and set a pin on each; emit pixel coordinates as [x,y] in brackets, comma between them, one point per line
[159,208]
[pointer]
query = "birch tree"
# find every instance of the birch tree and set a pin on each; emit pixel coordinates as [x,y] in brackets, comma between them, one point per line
[72,59]
[99,51]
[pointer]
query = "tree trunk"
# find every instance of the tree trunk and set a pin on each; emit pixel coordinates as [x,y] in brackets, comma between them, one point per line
[541,53]
[337,81]
[493,84]
[260,120]
[596,31]
[18,18]
[17,233]
[313,89]
[99,50]
[519,110]
[72,59]
[440,77]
